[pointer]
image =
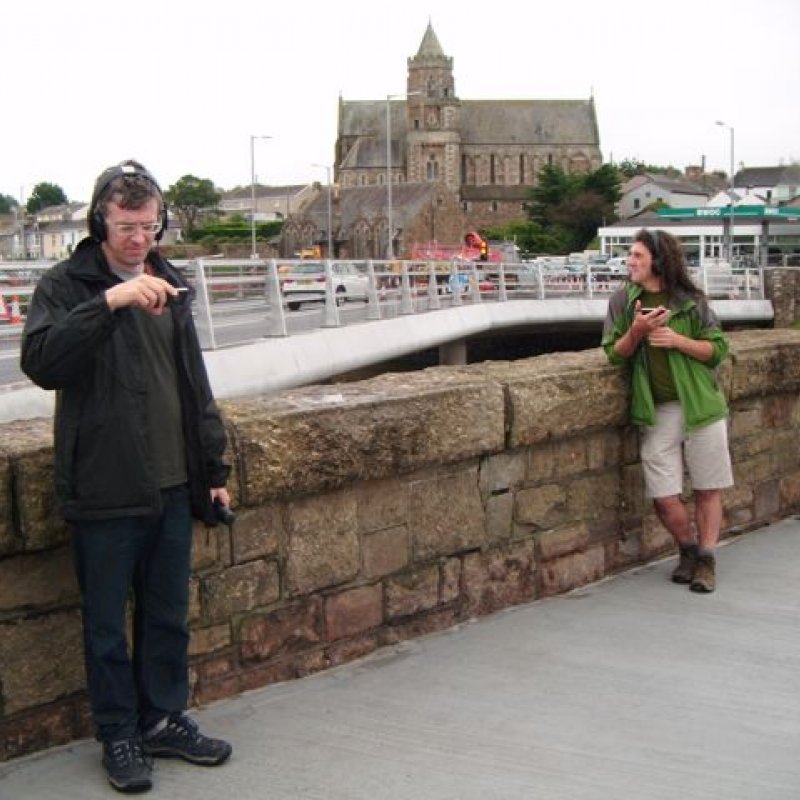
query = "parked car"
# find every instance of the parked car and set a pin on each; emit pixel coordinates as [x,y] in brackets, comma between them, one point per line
[305,283]
[618,265]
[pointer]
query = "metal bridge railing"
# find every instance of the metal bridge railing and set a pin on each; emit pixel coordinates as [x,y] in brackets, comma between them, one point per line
[242,300]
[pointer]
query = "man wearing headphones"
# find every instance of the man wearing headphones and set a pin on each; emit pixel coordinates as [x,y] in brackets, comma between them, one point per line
[138,449]
[660,326]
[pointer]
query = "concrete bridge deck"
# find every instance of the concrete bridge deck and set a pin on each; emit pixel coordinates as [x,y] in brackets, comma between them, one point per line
[630,689]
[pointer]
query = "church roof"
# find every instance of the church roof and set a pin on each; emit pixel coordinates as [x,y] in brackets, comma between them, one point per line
[556,122]
[367,202]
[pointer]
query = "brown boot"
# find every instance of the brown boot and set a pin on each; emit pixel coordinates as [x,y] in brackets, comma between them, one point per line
[687,560]
[704,574]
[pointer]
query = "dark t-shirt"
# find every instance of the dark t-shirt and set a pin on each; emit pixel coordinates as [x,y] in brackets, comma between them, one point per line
[165,421]
[661,382]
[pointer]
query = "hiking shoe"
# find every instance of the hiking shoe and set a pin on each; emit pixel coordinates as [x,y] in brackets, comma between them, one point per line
[128,768]
[704,579]
[687,559]
[177,736]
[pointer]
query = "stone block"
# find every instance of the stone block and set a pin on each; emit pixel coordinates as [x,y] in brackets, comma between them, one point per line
[318,438]
[38,580]
[56,723]
[450,586]
[210,546]
[412,593]
[41,659]
[291,629]
[570,456]
[571,571]
[594,496]
[446,515]
[257,533]
[565,396]
[386,551]
[240,589]
[382,504]
[27,448]
[203,641]
[195,606]
[562,541]
[541,465]
[656,540]
[767,499]
[790,492]
[499,578]
[499,518]
[542,506]
[604,449]
[353,611]
[502,472]
[322,547]
[746,419]
[764,362]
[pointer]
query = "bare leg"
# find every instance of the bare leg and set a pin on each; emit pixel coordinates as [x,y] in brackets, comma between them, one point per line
[674,517]
[708,516]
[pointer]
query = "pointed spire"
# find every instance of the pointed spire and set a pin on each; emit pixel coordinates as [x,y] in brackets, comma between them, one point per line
[430,44]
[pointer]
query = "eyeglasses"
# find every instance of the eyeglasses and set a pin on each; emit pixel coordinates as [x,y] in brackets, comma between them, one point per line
[130,228]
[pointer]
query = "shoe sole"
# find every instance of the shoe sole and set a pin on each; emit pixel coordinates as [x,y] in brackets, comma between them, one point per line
[679,579]
[197,761]
[700,589]
[136,787]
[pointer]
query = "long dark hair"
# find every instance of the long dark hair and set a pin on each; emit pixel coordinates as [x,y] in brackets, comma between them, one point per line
[669,261]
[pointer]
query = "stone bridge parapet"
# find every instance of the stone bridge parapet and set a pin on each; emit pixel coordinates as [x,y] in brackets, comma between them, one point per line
[373,512]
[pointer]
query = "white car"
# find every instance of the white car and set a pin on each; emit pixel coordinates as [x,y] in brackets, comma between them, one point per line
[305,283]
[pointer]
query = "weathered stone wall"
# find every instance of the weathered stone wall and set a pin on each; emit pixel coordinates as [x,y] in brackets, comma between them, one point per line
[370,513]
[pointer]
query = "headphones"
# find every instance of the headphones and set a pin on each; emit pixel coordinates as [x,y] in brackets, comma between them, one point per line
[658,265]
[96,220]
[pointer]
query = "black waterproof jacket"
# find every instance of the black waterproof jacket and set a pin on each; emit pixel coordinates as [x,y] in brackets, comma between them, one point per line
[94,359]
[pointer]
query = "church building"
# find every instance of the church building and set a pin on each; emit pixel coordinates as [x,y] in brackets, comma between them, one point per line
[455,165]
[488,153]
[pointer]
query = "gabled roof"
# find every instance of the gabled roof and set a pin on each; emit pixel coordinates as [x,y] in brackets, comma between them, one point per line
[528,122]
[768,176]
[368,202]
[673,185]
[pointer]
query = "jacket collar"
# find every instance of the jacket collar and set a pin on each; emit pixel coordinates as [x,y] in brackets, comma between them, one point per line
[89,263]
[680,300]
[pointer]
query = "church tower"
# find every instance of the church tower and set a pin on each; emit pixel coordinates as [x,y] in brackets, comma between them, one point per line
[433,114]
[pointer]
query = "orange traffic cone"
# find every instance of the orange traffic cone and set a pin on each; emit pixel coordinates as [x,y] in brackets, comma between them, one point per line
[16,316]
[4,313]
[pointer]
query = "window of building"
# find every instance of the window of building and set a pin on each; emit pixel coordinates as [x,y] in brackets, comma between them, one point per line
[636,203]
[549,159]
[381,179]
[446,92]
[416,124]
[494,205]
[491,168]
[521,168]
[432,168]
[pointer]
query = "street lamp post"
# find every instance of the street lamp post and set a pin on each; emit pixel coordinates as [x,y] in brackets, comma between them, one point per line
[330,214]
[730,226]
[253,253]
[389,98]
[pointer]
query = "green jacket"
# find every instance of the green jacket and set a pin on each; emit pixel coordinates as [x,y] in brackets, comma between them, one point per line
[700,396]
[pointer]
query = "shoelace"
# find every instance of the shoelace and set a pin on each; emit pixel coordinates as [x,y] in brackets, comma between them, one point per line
[127,752]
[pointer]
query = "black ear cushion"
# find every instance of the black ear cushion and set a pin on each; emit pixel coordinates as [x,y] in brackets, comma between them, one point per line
[97,224]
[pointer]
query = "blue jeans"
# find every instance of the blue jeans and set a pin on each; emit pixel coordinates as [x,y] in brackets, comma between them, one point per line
[152,556]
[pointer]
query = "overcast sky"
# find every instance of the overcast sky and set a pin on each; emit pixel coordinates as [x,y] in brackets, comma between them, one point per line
[183,85]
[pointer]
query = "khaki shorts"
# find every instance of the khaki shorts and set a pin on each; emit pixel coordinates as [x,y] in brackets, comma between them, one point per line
[665,445]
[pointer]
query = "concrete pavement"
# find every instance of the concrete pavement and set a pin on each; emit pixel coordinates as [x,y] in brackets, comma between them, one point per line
[630,689]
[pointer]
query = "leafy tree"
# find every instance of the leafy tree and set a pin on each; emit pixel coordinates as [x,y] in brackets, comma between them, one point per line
[630,167]
[189,198]
[7,204]
[43,195]
[570,208]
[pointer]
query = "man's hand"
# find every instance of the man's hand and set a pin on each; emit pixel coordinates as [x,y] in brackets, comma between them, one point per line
[222,495]
[146,292]
[664,337]
[644,323]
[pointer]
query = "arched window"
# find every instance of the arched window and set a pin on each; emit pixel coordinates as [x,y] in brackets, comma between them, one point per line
[432,168]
